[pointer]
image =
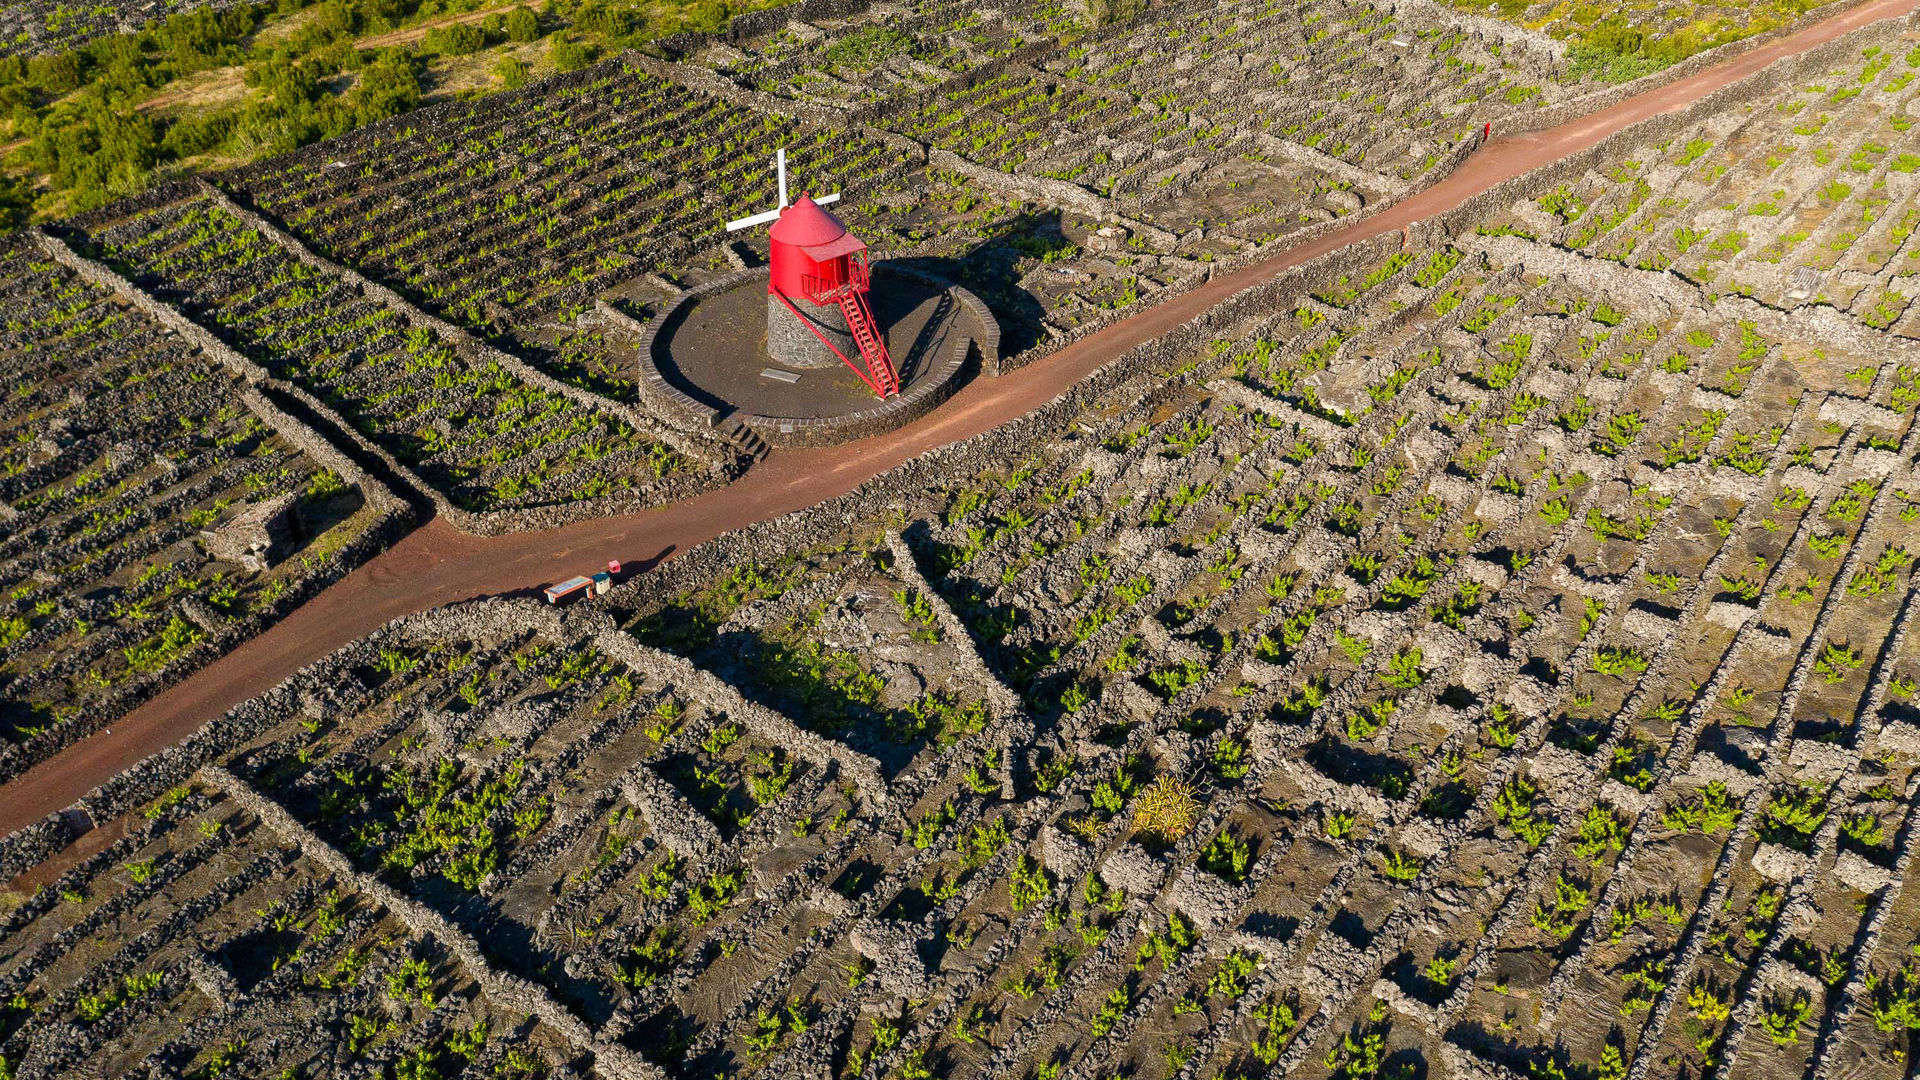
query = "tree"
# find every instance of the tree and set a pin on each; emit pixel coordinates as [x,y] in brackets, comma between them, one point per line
[95,153]
[332,18]
[569,55]
[708,17]
[615,23]
[512,73]
[388,86]
[203,37]
[192,135]
[384,10]
[456,40]
[57,74]
[522,25]
[119,67]
[14,205]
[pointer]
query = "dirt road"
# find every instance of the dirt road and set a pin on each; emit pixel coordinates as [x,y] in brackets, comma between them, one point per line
[436,565]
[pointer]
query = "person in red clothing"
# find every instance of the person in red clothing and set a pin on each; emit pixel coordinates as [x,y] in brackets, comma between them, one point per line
[1486,134]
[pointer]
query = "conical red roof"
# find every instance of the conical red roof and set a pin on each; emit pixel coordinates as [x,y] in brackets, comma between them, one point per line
[805,225]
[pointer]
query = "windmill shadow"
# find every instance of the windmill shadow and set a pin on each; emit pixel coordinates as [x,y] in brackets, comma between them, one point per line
[991,271]
[895,300]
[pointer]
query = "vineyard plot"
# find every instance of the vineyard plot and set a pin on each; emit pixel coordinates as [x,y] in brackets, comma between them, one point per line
[476,434]
[1416,673]
[518,213]
[1366,706]
[224,915]
[155,511]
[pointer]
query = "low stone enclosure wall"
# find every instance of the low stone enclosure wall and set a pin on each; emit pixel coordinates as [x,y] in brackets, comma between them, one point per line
[976,332]
[1330,974]
[1384,486]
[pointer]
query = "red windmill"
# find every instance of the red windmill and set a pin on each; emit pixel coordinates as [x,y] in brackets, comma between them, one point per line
[817,291]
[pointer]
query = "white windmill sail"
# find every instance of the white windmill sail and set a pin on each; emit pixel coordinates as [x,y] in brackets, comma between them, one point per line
[780,166]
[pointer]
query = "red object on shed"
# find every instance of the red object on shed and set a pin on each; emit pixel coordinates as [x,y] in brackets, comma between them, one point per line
[815,260]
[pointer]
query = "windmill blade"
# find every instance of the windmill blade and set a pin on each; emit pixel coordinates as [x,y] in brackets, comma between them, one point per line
[750,222]
[822,200]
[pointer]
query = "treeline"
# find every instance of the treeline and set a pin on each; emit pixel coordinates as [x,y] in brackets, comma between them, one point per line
[87,141]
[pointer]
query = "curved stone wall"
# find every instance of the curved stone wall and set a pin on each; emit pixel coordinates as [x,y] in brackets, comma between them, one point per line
[975,323]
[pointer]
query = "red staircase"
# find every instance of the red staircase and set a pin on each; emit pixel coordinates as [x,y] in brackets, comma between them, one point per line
[851,297]
[873,347]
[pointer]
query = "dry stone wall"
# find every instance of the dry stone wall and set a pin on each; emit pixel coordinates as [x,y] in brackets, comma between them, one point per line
[542,435]
[135,455]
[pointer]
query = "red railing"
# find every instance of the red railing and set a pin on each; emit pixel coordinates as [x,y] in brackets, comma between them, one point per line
[873,347]
[878,374]
[824,291]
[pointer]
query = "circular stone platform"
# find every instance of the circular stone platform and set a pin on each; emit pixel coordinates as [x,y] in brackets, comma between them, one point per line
[706,358]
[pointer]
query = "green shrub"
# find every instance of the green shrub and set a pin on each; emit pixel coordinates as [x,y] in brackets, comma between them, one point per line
[522,25]
[1514,806]
[568,55]
[1712,811]
[459,39]
[511,72]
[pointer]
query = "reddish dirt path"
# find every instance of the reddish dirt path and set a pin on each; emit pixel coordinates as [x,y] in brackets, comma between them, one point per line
[436,565]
